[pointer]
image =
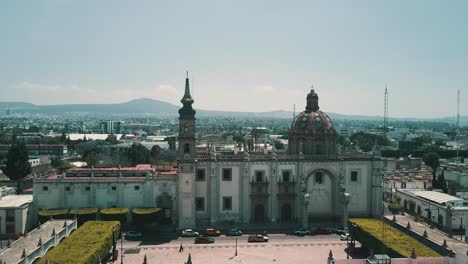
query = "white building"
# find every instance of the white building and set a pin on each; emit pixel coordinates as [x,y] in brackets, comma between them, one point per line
[141,186]
[311,182]
[446,211]
[16,214]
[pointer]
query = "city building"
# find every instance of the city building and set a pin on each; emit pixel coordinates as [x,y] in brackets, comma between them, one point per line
[16,214]
[310,182]
[54,150]
[141,186]
[111,127]
[445,211]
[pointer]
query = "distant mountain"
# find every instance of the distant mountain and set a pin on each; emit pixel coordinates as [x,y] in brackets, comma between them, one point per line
[156,107]
[15,105]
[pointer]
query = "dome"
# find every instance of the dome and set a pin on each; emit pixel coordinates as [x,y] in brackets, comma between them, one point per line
[317,120]
[312,131]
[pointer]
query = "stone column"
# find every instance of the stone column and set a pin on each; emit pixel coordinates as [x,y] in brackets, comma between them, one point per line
[305,217]
[346,197]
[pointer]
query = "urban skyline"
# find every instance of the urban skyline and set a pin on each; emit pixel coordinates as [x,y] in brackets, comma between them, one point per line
[259,56]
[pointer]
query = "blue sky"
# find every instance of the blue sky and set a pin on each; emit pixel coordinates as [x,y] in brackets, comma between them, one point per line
[241,55]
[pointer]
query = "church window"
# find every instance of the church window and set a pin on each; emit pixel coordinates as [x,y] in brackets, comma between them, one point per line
[200,175]
[259,176]
[286,176]
[227,203]
[187,148]
[304,122]
[319,178]
[227,174]
[137,187]
[114,188]
[354,176]
[200,203]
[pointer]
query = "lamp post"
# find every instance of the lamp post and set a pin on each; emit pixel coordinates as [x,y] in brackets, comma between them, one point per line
[236,248]
[121,248]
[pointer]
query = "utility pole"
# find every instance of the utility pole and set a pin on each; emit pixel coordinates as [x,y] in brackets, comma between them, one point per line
[458,125]
[385,111]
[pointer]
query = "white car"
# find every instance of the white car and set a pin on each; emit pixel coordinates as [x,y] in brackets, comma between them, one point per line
[189,233]
[344,237]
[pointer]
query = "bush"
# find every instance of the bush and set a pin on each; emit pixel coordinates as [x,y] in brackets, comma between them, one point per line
[395,208]
[397,244]
[115,214]
[45,215]
[84,214]
[85,245]
[142,216]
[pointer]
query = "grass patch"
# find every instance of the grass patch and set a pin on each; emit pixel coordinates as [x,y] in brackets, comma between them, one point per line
[85,245]
[397,243]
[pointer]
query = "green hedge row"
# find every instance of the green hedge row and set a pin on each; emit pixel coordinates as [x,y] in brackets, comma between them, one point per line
[397,244]
[85,245]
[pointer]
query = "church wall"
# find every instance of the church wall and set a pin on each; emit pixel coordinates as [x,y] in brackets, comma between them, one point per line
[229,189]
[359,190]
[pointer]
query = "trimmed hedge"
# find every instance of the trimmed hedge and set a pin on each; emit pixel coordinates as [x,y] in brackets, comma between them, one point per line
[142,211]
[84,214]
[44,215]
[85,245]
[395,208]
[142,216]
[115,214]
[397,243]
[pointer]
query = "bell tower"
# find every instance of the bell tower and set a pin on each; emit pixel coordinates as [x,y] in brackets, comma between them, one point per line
[186,149]
[186,160]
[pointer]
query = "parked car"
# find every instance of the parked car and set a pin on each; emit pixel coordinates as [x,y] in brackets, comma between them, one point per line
[204,240]
[211,232]
[344,237]
[301,232]
[133,235]
[258,238]
[189,233]
[234,232]
[323,231]
[342,231]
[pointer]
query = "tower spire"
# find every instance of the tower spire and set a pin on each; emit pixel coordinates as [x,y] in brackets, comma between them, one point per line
[312,102]
[187,96]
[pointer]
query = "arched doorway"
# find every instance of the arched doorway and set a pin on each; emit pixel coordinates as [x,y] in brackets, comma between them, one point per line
[286,213]
[259,213]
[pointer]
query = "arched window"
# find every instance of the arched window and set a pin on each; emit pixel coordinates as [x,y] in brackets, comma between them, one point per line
[187,148]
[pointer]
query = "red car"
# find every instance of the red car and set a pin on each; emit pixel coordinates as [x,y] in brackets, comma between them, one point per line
[211,232]
[323,231]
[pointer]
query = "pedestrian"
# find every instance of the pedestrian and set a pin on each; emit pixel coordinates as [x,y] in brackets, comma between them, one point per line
[181,248]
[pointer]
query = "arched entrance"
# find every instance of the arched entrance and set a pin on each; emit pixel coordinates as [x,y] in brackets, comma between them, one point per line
[259,213]
[286,213]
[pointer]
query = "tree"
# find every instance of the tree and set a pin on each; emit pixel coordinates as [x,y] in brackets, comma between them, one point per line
[155,151]
[112,139]
[91,157]
[63,138]
[138,154]
[431,159]
[17,165]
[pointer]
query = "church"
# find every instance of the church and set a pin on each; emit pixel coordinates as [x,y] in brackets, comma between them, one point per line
[313,180]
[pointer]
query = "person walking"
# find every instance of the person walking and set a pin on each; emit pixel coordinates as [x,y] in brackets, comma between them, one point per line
[181,248]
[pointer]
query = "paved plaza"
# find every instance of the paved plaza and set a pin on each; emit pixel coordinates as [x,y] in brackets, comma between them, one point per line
[281,249]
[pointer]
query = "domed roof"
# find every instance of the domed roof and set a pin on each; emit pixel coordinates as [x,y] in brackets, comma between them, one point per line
[312,118]
[317,120]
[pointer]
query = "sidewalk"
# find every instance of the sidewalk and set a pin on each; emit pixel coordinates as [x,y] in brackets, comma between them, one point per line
[432,233]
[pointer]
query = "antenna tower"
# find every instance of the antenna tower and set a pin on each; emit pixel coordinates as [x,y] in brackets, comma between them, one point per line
[457,132]
[386,111]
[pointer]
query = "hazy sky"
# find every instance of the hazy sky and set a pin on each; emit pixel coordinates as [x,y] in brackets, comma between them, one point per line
[242,55]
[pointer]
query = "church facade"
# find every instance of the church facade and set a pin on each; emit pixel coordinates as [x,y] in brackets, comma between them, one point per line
[312,181]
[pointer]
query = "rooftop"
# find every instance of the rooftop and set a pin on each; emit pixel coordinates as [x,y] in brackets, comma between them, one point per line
[437,197]
[14,200]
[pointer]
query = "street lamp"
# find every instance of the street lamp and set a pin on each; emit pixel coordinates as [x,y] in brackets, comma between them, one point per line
[236,248]
[121,247]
